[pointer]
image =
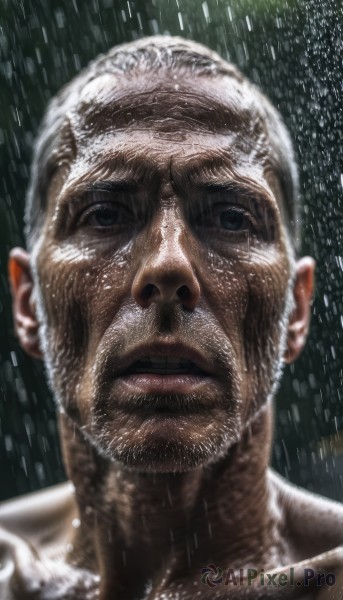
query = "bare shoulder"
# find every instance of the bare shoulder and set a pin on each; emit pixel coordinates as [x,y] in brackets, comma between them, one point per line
[35,531]
[313,524]
[43,519]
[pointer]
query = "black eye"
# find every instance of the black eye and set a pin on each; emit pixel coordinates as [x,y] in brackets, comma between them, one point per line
[231,220]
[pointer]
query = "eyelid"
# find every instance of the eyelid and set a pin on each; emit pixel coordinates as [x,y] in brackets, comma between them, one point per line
[93,192]
[258,212]
[91,197]
[250,221]
[215,204]
[80,209]
[249,198]
[95,207]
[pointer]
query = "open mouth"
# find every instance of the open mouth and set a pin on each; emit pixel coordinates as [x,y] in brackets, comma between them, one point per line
[164,365]
[161,372]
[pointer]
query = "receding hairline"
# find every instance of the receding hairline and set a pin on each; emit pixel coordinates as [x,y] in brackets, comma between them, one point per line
[144,56]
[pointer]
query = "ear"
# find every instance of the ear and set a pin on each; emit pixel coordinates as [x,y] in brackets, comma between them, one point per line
[300,318]
[23,305]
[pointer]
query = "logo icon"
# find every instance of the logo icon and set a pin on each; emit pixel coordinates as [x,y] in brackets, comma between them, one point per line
[211,575]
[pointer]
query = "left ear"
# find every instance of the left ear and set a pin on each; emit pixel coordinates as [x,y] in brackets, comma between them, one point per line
[300,318]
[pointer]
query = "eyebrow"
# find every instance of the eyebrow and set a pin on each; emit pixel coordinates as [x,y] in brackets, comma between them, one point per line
[117,173]
[112,185]
[204,178]
[227,186]
[216,168]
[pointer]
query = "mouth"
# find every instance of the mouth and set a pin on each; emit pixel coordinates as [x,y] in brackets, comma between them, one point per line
[161,369]
[164,366]
[163,375]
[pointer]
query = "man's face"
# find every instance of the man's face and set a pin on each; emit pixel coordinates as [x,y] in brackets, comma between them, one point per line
[163,269]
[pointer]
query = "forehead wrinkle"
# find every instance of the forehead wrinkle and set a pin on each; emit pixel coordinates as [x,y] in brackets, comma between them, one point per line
[135,164]
[251,141]
[125,105]
[223,160]
[249,144]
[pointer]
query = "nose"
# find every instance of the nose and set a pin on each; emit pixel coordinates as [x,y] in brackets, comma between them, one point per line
[166,275]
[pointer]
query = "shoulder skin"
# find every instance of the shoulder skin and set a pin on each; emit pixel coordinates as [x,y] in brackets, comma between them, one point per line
[35,531]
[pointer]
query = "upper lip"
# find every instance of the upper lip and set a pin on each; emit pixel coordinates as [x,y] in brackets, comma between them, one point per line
[173,350]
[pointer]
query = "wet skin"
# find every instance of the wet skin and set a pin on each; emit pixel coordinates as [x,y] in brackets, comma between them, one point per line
[165,237]
[163,232]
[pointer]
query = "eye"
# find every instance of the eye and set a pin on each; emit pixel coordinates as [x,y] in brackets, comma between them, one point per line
[232,220]
[232,217]
[226,218]
[104,216]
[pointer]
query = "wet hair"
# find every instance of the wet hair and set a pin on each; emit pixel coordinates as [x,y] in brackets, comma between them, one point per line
[149,55]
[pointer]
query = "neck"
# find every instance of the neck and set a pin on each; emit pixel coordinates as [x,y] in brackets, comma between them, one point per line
[138,529]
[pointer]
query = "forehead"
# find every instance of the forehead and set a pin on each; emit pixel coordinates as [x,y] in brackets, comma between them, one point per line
[209,103]
[195,130]
[161,117]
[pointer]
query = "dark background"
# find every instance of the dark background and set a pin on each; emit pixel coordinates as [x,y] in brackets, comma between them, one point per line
[292,50]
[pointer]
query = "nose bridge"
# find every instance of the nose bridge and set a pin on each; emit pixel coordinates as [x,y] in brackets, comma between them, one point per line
[168,232]
[166,273]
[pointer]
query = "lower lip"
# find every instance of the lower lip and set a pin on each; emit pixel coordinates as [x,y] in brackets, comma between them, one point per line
[149,383]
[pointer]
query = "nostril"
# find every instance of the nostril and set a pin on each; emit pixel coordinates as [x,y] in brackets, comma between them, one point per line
[165,287]
[148,291]
[184,293]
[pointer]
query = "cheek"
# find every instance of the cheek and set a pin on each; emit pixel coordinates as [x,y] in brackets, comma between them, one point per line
[226,293]
[248,295]
[79,297]
[265,326]
[267,303]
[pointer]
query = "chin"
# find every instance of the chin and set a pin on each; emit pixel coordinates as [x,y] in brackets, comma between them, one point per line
[165,443]
[160,457]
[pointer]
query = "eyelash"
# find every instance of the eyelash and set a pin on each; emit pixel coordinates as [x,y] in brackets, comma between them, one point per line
[104,207]
[217,211]
[230,220]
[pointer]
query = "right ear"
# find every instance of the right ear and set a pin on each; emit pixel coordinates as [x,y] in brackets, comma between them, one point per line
[23,305]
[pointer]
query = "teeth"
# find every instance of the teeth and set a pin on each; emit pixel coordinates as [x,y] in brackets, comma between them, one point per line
[166,362]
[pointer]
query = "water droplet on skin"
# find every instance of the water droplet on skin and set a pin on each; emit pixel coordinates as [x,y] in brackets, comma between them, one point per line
[76,523]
